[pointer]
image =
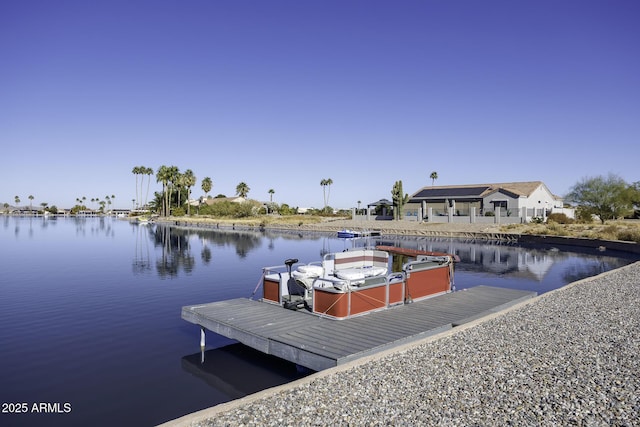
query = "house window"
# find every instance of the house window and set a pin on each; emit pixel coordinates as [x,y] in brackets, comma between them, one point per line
[502,204]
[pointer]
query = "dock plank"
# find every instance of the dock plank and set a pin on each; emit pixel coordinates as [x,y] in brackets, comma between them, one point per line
[319,342]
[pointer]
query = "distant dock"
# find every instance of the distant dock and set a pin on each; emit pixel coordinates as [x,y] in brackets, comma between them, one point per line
[320,343]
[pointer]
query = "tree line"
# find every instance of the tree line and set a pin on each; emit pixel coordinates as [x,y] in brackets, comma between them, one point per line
[605,197]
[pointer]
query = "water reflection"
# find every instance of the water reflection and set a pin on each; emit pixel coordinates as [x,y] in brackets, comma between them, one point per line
[244,243]
[94,226]
[175,243]
[504,259]
[142,254]
[180,248]
[237,370]
[176,251]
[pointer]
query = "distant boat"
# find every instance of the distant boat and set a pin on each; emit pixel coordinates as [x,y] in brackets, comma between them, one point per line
[348,234]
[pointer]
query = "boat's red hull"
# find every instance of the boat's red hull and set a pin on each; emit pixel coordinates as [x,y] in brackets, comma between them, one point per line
[344,304]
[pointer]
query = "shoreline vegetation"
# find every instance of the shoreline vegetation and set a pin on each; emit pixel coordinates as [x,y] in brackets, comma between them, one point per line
[614,230]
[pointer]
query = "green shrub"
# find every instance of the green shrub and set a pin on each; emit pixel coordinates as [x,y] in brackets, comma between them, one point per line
[584,215]
[178,212]
[227,208]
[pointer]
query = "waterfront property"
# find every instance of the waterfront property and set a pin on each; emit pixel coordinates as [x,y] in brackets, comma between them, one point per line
[519,201]
[507,203]
[91,309]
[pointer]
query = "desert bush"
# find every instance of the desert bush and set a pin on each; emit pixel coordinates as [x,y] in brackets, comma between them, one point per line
[556,229]
[559,218]
[629,235]
[610,232]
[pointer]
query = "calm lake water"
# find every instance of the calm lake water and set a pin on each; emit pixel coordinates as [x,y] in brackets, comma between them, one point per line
[90,312]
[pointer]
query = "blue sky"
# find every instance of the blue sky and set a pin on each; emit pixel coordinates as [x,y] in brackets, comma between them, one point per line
[283,94]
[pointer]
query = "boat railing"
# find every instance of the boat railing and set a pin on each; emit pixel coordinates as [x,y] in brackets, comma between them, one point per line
[346,288]
[424,262]
[275,270]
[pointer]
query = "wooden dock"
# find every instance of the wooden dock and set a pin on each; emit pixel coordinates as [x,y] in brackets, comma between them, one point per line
[319,343]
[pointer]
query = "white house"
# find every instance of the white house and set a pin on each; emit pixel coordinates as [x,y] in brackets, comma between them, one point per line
[519,201]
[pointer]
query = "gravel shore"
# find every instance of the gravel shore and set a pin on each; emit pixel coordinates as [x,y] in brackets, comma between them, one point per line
[568,357]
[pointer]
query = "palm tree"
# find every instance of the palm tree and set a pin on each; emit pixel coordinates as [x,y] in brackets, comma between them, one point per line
[179,184]
[174,178]
[142,171]
[326,183]
[207,184]
[148,172]
[271,193]
[189,180]
[30,202]
[242,190]
[136,171]
[433,176]
[323,184]
[164,175]
[17,200]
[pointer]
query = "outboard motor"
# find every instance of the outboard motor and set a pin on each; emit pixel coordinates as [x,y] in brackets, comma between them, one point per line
[294,288]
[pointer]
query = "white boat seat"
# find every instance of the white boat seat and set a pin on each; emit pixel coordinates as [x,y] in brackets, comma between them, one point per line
[360,273]
[308,271]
